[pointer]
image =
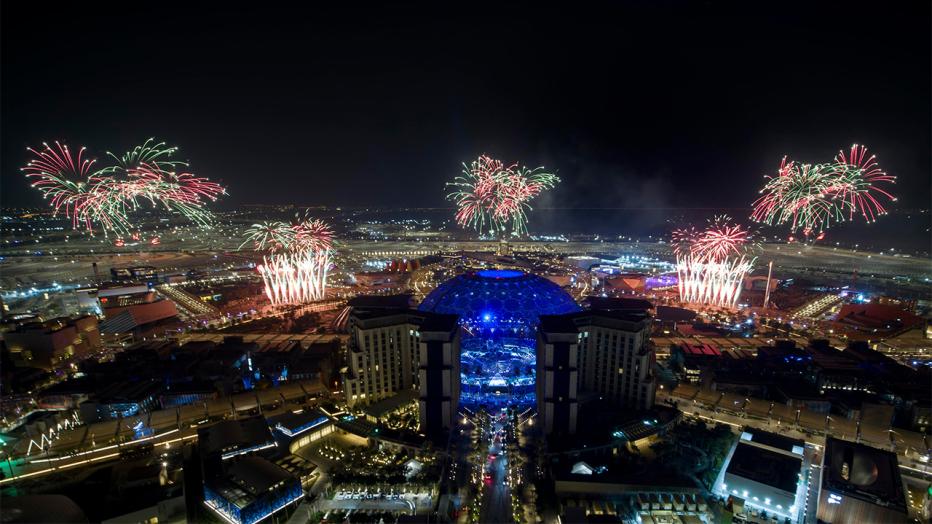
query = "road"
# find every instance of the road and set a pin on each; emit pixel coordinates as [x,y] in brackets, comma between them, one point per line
[496,499]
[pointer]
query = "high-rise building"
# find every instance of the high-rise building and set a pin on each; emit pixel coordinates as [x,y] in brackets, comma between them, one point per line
[382,357]
[599,351]
[391,351]
[616,357]
[557,374]
[438,372]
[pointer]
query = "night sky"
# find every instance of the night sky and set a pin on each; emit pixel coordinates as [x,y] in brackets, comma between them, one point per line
[635,104]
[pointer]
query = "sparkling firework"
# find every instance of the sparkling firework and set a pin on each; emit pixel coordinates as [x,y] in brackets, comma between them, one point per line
[720,240]
[314,235]
[295,277]
[295,269]
[106,197]
[269,236]
[711,264]
[490,194]
[810,197]
[702,281]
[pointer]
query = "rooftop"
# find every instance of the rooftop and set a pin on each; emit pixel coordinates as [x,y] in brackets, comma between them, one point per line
[863,472]
[234,434]
[387,405]
[773,440]
[765,466]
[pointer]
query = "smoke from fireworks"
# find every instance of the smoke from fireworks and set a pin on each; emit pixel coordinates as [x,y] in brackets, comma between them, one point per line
[810,197]
[295,268]
[105,197]
[490,194]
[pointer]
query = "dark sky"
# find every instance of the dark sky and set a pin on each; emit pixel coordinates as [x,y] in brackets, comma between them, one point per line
[633,103]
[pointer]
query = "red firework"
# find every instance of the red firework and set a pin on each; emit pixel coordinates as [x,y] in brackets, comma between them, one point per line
[313,235]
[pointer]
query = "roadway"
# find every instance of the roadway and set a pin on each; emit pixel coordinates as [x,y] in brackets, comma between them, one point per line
[496,498]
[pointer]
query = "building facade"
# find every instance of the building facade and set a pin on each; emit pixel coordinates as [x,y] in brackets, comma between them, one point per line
[557,374]
[47,345]
[382,358]
[603,352]
[438,373]
[616,357]
[393,351]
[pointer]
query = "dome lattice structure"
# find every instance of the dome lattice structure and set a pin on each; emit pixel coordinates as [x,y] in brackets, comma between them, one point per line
[499,310]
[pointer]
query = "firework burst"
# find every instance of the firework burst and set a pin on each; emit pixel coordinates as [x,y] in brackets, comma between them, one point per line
[711,264]
[811,197]
[721,240]
[490,194]
[295,269]
[106,197]
[269,236]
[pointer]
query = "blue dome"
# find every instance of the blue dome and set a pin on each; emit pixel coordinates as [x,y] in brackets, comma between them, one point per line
[500,310]
[499,295]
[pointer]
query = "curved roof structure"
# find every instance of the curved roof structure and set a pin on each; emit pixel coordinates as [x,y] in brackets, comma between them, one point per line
[499,295]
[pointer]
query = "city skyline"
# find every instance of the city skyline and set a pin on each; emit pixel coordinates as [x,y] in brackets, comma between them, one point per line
[615,262]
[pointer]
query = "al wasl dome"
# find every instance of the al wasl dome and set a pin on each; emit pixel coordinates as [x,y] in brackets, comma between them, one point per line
[499,310]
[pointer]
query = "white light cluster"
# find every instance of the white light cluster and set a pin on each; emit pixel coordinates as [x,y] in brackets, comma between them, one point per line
[295,277]
[709,282]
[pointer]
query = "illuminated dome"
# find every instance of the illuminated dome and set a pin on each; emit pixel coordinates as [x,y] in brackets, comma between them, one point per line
[499,310]
[499,295]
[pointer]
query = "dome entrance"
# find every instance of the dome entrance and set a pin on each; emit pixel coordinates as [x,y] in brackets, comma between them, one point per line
[499,311]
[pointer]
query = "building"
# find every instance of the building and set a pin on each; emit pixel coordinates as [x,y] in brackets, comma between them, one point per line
[143,273]
[395,351]
[249,489]
[499,310]
[617,357]
[133,311]
[382,358]
[438,373]
[47,345]
[230,438]
[606,353]
[557,374]
[691,359]
[860,484]
[238,484]
[764,471]
[300,429]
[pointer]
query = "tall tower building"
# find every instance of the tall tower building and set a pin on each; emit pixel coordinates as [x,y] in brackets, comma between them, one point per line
[396,350]
[438,373]
[382,355]
[617,358]
[603,352]
[557,374]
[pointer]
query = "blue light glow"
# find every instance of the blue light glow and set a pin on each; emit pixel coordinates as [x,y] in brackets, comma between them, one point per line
[499,311]
[500,273]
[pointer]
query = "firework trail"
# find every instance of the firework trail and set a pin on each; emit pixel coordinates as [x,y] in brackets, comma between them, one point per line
[106,197]
[269,236]
[711,264]
[65,180]
[295,269]
[490,194]
[720,240]
[811,197]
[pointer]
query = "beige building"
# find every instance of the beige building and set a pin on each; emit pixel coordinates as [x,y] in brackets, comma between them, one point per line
[47,345]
